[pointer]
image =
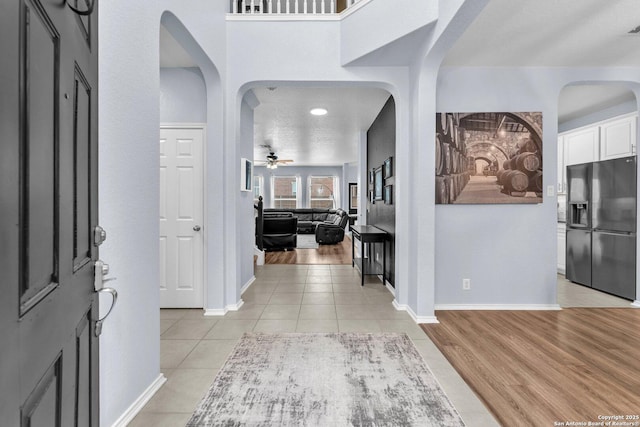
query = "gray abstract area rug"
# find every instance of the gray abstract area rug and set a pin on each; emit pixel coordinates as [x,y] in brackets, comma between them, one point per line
[325,379]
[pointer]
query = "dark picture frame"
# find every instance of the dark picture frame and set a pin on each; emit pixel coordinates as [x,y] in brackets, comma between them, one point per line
[498,152]
[377,183]
[246,175]
[388,194]
[388,168]
[353,197]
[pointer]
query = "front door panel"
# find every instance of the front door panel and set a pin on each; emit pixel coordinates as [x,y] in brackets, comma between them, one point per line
[48,195]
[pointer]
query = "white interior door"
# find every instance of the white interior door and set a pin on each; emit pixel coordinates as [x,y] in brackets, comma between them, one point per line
[181,217]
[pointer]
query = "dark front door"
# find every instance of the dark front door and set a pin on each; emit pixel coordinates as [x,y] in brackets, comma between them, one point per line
[48,212]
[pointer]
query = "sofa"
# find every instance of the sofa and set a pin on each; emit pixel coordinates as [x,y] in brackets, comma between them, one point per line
[309,218]
[279,232]
[327,224]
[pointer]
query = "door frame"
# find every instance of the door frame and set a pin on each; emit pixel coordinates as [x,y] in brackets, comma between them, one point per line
[205,218]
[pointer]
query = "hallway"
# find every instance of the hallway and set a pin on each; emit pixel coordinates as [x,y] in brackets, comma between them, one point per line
[286,298]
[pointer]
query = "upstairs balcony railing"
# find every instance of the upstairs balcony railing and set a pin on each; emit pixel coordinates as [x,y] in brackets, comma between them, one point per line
[294,7]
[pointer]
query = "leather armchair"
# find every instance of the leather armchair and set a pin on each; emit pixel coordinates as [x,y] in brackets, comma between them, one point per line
[331,231]
[280,233]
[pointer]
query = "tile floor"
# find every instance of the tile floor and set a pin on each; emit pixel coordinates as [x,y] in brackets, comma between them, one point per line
[574,295]
[286,298]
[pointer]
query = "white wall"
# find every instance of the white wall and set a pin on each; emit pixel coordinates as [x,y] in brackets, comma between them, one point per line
[129,198]
[370,29]
[245,234]
[508,252]
[183,96]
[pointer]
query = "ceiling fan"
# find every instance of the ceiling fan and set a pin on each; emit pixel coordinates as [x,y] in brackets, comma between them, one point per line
[272,161]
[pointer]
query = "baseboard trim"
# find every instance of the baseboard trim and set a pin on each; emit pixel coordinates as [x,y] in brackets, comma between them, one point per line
[247,285]
[260,255]
[223,311]
[414,316]
[234,307]
[514,307]
[139,403]
[215,311]
[636,303]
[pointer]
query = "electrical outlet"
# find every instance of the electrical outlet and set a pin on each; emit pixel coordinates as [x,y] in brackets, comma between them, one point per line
[466,284]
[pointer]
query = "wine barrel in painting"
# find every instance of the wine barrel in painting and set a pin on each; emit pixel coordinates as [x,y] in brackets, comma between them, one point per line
[442,193]
[446,155]
[439,158]
[515,180]
[535,182]
[527,162]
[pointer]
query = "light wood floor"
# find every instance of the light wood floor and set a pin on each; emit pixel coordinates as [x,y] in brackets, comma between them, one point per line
[325,254]
[532,368]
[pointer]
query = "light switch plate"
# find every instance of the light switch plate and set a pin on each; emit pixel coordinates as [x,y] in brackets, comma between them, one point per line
[551,191]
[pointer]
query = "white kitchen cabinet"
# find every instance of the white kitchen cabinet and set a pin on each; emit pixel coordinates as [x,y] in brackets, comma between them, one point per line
[562,172]
[582,146]
[618,138]
[562,244]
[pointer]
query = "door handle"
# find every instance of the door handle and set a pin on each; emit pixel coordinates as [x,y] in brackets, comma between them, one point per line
[196,228]
[114,299]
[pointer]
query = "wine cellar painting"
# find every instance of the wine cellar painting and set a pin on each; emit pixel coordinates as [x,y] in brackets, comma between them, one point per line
[488,158]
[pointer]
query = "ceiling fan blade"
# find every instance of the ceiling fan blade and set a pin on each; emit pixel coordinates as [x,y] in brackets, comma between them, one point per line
[284,161]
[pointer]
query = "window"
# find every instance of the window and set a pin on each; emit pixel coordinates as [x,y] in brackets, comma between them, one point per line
[258,188]
[322,191]
[285,192]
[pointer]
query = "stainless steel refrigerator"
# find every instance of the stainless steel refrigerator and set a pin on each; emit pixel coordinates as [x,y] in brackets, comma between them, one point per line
[601,226]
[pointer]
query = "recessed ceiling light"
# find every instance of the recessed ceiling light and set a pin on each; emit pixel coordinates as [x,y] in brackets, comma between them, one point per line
[318,111]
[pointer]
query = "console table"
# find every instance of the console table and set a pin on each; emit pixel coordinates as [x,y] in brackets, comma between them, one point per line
[372,235]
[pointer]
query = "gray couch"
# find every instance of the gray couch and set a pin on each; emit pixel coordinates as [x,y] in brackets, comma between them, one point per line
[327,224]
[309,218]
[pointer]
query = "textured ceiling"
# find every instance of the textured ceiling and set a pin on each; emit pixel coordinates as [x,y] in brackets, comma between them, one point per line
[571,33]
[282,120]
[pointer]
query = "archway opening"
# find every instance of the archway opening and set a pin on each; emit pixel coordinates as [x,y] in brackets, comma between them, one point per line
[597,122]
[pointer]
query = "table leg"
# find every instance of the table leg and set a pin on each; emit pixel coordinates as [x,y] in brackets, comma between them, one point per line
[362,259]
[384,261]
[353,242]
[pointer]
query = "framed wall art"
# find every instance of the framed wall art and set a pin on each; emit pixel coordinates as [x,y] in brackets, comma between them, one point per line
[388,194]
[353,197]
[488,158]
[246,175]
[388,168]
[377,183]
